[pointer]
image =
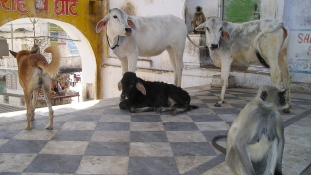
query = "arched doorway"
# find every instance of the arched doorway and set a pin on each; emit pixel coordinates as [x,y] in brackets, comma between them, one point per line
[78,21]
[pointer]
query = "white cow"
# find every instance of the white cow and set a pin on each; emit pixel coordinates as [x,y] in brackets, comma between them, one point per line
[246,43]
[133,36]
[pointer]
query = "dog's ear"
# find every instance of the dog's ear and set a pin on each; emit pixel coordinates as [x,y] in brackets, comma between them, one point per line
[141,88]
[13,53]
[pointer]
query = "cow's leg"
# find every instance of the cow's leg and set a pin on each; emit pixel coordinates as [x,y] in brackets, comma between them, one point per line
[132,61]
[47,95]
[225,71]
[176,58]
[124,65]
[27,96]
[286,78]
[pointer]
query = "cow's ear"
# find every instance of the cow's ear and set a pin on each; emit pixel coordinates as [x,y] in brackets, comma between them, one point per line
[119,85]
[141,88]
[102,23]
[201,27]
[13,53]
[225,35]
[131,23]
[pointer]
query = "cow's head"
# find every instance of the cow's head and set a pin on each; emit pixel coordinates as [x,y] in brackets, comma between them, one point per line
[128,82]
[118,22]
[213,27]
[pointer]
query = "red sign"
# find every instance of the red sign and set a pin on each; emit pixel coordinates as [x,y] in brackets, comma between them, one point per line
[65,7]
[14,5]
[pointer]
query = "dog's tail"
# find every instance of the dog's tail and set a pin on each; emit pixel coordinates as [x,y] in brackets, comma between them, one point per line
[52,68]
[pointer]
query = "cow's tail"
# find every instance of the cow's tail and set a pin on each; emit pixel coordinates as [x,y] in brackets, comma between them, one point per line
[286,38]
[52,68]
[256,45]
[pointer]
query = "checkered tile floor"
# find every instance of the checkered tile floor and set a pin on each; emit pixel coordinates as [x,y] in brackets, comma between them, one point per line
[102,139]
[6,108]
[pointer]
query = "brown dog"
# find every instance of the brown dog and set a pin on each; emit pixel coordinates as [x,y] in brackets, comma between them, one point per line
[34,71]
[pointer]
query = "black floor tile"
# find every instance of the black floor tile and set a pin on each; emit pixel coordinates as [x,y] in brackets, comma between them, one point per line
[23,146]
[73,135]
[192,149]
[205,118]
[47,163]
[146,118]
[8,134]
[180,126]
[113,126]
[226,110]
[107,149]
[152,166]
[148,136]
[87,118]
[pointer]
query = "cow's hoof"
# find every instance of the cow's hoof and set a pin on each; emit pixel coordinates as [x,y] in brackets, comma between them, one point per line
[32,119]
[287,110]
[217,105]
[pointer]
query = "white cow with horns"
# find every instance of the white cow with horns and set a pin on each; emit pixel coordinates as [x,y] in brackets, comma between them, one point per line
[133,36]
[246,43]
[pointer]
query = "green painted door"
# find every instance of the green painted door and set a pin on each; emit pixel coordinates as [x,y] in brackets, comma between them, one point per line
[241,10]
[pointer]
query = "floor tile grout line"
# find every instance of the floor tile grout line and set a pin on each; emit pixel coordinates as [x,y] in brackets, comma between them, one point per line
[296,118]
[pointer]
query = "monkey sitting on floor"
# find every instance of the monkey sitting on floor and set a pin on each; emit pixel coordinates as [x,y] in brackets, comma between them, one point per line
[198,18]
[255,140]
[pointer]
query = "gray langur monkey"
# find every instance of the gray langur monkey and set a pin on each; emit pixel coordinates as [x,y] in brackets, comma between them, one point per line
[198,18]
[255,140]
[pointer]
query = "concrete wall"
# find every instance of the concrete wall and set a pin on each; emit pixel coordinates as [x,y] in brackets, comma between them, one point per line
[298,20]
[273,9]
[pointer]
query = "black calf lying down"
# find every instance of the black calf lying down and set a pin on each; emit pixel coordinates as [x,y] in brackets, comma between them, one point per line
[152,96]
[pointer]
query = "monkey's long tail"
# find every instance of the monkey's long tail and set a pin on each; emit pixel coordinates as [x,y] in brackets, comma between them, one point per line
[217,146]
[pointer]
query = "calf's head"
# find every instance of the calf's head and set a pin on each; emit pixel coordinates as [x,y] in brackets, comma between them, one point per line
[128,82]
[117,21]
[213,27]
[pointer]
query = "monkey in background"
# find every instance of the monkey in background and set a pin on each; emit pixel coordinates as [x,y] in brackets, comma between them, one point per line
[198,18]
[255,141]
